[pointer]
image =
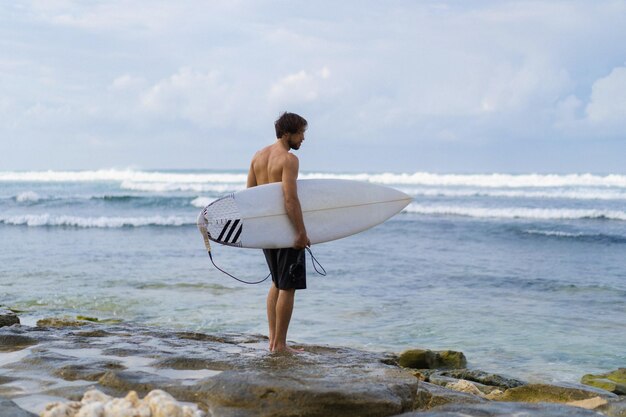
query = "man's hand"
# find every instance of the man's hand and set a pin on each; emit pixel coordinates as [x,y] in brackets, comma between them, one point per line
[302,241]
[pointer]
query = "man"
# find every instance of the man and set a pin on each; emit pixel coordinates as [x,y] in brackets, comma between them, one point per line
[275,163]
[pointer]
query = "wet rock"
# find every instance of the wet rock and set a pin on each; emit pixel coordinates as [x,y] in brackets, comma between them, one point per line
[428,359]
[589,404]
[43,359]
[190,363]
[10,342]
[471,387]
[463,385]
[87,370]
[6,380]
[614,408]
[123,351]
[94,333]
[142,382]
[562,393]
[284,393]
[61,322]
[430,395]
[8,318]
[230,338]
[97,320]
[442,380]
[498,409]
[482,377]
[614,381]
[9,409]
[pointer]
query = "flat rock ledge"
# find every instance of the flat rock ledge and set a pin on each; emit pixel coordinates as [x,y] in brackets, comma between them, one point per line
[233,375]
[225,375]
[8,317]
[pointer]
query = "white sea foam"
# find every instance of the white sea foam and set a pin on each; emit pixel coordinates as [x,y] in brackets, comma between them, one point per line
[517,212]
[484,180]
[575,194]
[161,187]
[27,197]
[417,178]
[202,201]
[93,222]
[555,233]
[121,175]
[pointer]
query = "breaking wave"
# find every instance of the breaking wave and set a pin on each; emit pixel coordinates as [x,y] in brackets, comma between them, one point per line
[581,236]
[517,212]
[121,175]
[161,187]
[418,178]
[27,197]
[580,194]
[485,180]
[41,220]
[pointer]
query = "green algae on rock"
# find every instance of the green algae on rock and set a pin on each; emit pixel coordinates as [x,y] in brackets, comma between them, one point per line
[60,322]
[428,359]
[553,393]
[614,381]
[508,409]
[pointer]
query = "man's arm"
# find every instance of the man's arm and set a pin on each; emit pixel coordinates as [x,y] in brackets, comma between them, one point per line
[251,178]
[292,203]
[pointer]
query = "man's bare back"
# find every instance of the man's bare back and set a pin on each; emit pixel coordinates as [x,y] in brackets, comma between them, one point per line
[275,163]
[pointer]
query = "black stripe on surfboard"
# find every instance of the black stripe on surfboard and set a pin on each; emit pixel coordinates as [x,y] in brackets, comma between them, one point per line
[232,229]
[224,230]
[237,234]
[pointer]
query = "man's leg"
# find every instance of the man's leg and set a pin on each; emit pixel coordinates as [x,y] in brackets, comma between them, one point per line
[284,308]
[272,298]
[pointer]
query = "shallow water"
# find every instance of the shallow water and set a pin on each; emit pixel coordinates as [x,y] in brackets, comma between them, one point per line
[525,274]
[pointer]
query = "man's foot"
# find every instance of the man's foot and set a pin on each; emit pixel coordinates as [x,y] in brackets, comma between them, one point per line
[286,349]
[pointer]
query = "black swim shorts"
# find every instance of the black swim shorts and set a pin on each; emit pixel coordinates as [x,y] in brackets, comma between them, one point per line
[288,267]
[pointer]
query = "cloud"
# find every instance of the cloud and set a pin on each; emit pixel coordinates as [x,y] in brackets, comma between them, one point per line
[607,105]
[568,110]
[299,87]
[126,82]
[603,114]
[199,97]
[482,73]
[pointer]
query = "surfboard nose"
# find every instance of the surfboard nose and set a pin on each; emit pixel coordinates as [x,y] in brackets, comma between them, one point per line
[404,197]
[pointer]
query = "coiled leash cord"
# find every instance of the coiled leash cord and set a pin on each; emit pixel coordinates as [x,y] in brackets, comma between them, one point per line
[207,244]
[314,261]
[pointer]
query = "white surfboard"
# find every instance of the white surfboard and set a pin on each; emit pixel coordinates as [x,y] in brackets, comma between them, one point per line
[331,208]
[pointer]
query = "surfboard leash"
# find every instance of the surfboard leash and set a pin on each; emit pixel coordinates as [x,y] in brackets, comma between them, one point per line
[315,261]
[207,243]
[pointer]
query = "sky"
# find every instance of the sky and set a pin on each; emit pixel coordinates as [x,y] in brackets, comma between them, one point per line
[393,86]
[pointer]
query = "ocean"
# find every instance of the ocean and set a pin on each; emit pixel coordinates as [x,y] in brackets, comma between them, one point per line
[525,273]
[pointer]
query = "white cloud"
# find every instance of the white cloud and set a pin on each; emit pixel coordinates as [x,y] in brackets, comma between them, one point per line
[608,99]
[568,110]
[300,87]
[418,72]
[199,97]
[604,113]
[126,82]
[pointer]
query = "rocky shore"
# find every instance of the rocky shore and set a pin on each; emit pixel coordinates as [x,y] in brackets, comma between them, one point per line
[54,363]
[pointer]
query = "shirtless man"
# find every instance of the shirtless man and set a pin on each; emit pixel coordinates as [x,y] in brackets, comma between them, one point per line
[275,163]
